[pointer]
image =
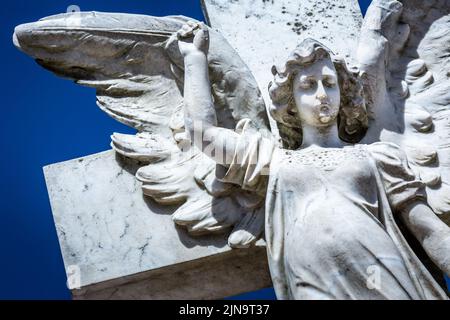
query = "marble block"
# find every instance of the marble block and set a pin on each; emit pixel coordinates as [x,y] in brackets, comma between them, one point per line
[125,246]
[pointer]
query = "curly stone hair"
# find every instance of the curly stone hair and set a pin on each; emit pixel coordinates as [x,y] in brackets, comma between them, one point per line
[352,118]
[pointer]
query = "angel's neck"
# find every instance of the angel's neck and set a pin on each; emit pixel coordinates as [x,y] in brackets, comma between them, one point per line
[325,137]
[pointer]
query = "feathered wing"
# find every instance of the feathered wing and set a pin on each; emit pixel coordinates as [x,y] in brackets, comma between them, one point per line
[134,63]
[405,49]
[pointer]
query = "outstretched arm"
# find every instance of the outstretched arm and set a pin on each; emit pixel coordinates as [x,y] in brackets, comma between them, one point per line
[200,116]
[430,231]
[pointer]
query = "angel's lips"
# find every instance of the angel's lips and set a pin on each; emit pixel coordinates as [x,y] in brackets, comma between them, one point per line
[324,107]
[324,113]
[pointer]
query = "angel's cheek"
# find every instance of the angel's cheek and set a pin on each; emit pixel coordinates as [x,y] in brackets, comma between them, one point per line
[334,98]
[305,103]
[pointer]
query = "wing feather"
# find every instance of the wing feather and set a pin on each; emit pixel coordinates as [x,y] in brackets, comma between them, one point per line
[417,62]
[134,64]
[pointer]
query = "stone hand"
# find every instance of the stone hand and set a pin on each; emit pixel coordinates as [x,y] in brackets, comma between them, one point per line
[383,15]
[193,38]
[381,26]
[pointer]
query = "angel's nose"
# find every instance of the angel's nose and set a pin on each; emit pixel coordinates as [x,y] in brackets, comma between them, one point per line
[322,97]
[321,94]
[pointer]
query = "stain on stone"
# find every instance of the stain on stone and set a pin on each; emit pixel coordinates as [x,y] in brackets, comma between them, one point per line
[119,173]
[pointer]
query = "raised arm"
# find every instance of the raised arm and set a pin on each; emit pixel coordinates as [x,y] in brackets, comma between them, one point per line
[200,116]
[382,35]
[430,231]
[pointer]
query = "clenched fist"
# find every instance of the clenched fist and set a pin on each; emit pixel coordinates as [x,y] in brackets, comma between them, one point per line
[193,38]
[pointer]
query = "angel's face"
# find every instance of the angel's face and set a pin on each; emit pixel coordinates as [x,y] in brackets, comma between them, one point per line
[316,93]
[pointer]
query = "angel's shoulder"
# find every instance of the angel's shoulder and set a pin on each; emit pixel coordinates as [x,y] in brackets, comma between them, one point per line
[387,153]
[383,147]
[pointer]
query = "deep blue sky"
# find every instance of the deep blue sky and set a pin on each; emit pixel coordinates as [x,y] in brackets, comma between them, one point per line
[45,120]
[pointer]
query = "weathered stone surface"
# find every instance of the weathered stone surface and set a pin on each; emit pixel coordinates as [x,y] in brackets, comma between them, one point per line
[126,247]
[213,277]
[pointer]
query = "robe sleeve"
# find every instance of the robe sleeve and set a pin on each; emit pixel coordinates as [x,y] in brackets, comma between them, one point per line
[251,161]
[402,186]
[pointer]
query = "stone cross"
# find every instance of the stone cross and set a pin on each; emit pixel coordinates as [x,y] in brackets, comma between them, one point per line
[118,244]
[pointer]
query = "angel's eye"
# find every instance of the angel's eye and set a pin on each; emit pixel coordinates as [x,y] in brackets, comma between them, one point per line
[307,83]
[329,82]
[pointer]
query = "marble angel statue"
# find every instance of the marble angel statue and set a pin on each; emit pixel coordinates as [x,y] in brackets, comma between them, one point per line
[357,188]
